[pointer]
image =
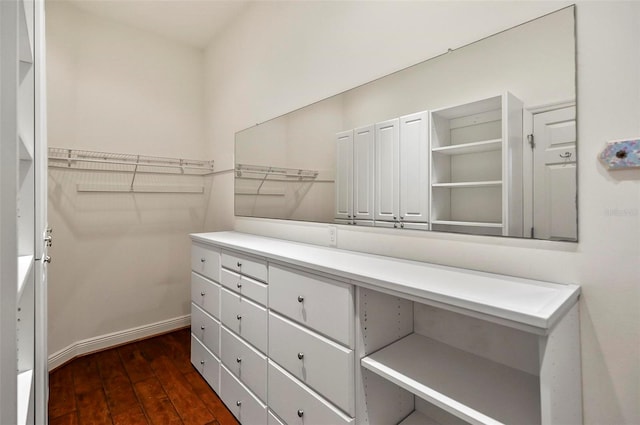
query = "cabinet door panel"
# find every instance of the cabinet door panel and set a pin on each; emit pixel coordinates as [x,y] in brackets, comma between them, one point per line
[414,167]
[344,175]
[387,182]
[363,175]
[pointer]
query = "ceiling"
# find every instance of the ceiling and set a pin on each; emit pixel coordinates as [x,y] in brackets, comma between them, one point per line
[194,22]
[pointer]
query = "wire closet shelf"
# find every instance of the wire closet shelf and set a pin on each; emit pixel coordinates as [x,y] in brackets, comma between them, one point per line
[119,162]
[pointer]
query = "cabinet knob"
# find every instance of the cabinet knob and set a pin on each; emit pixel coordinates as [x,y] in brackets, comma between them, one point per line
[300,356]
[395,226]
[47,259]
[202,260]
[239,285]
[402,225]
[238,403]
[300,298]
[394,217]
[202,327]
[300,413]
[239,264]
[238,360]
[48,240]
[201,361]
[203,293]
[239,316]
[348,216]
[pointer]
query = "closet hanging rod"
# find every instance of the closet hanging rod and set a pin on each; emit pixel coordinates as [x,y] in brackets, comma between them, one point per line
[72,158]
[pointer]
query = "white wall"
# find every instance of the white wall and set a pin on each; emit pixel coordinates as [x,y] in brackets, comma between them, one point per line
[120,261]
[281,56]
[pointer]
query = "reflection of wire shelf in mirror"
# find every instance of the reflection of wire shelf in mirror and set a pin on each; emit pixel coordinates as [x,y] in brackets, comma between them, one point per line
[73,159]
[264,173]
[475,150]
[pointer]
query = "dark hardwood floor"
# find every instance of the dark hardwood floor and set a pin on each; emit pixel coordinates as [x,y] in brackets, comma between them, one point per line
[145,382]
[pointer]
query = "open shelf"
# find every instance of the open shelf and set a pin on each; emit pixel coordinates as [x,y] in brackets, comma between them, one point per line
[25,395]
[467,223]
[489,183]
[418,418]
[25,263]
[473,147]
[456,381]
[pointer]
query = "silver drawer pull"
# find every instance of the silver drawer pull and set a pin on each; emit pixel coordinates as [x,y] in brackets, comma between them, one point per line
[300,356]
[239,316]
[300,298]
[201,361]
[238,403]
[300,413]
[238,360]
[203,293]
[239,264]
[239,285]
[202,260]
[202,327]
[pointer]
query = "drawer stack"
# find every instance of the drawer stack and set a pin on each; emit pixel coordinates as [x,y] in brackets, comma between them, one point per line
[243,312]
[205,313]
[311,341]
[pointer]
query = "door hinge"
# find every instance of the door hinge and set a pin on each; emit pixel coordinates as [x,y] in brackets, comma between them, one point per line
[530,140]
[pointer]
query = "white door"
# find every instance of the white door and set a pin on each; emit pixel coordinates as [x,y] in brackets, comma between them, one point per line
[414,168]
[344,175]
[363,164]
[554,175]
[387,153]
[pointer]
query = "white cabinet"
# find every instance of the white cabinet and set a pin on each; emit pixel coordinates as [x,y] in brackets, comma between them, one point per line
[476,158]
[23,173]
[401,174]
[358,338]
[355,176]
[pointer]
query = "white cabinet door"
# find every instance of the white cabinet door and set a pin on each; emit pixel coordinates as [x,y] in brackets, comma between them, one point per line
[554,175]
[387,154]
[363,164]
[414,168]
[344,175]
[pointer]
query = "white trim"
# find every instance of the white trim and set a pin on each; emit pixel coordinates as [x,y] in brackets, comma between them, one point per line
[116,338]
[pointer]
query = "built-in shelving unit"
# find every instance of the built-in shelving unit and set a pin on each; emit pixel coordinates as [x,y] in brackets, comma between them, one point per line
[474,147]
[456,381]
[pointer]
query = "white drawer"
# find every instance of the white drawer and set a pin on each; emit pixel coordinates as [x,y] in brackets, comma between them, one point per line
[206,329]
[273,419]
[206,363]
[322,364]
[245,318]
[245,362]
[206,261]
[205,294]
[243,285]
[245,264]
[323,304]
[295,404]
[244,405]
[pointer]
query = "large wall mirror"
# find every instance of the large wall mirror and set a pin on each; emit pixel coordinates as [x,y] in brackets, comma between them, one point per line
[480,140]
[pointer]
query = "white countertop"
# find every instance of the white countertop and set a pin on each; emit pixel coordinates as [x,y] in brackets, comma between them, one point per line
[527,302]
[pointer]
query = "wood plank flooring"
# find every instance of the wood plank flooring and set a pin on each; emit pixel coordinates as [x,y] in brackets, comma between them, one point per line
[145,382]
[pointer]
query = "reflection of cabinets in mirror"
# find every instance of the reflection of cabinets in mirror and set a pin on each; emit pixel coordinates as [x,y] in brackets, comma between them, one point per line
[354,176]
[476,154]
[401,172]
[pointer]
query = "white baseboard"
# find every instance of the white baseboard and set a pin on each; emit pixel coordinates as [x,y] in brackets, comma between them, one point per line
[116,338]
